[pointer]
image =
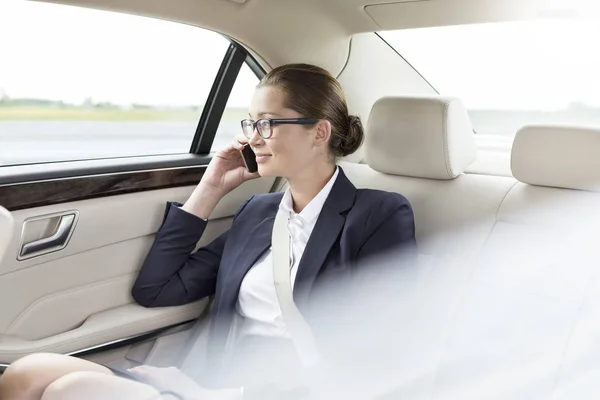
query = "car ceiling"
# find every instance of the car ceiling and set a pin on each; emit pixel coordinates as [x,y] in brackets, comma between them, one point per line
[320,31]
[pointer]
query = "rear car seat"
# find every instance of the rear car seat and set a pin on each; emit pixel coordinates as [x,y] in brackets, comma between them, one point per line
[509,287]
[527,326]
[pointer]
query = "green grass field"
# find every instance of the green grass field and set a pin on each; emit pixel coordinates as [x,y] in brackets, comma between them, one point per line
[37,113]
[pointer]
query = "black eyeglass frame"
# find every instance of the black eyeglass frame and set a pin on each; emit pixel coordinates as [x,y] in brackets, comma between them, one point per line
[273,122]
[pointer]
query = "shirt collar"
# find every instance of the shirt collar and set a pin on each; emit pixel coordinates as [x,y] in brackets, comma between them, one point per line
[312,210]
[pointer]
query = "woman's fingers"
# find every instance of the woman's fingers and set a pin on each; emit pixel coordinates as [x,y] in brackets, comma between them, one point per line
[241,139]
[239,142]
[234,146]
[251,175]
[237,145]
[140,370]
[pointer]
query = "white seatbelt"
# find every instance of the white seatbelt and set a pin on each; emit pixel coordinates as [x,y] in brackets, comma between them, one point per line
[299,330]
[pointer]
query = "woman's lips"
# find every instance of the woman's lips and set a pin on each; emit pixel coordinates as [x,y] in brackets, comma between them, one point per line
[261,158]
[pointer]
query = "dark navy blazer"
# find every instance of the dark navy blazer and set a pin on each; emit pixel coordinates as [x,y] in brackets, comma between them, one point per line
[353,225]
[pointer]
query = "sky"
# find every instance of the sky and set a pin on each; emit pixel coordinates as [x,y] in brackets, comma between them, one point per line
[68,53]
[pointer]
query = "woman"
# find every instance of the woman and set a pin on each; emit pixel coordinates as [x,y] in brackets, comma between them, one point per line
[298,126]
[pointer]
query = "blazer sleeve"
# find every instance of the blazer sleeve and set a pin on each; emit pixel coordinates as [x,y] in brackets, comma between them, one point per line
[390,228]
[171,274]
[387,259]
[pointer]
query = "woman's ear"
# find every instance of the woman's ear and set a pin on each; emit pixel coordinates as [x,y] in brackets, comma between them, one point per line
[322,132]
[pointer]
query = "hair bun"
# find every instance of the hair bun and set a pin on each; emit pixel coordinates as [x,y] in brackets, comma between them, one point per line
[353,120]
[355,137]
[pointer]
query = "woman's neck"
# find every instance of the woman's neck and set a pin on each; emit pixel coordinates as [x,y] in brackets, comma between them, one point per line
[304,188]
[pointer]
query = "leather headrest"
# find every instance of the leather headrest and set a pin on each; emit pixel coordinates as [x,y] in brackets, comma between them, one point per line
[418,136]
[557,156]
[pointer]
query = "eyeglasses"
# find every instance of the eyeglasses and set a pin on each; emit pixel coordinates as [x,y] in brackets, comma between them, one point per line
[264,126]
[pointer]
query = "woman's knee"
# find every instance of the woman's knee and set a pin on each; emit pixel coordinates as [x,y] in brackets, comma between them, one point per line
[28,377]
[27,363]
[91,385]
[71,386]
[21,378]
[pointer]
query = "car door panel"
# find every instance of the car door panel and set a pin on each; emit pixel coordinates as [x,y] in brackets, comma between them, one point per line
[99,329]
[79,297]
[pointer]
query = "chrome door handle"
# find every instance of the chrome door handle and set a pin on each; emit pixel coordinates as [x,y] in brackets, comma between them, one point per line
[56,241]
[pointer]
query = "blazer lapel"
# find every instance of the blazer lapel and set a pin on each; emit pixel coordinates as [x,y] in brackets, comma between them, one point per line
[258,242]
[324,235]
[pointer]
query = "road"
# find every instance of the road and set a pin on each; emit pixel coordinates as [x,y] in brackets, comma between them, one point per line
[45,141]
[24,142]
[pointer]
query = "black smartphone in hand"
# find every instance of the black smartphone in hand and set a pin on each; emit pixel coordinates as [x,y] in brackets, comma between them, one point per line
[249,158]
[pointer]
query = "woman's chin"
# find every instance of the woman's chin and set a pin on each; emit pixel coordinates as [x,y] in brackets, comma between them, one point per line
[266,172]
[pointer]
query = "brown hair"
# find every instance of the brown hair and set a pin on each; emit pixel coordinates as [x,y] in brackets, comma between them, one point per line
[313,92]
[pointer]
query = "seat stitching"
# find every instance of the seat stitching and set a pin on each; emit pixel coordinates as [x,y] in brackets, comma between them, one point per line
[498,213]
[579,309]
[465,292]
[570,335]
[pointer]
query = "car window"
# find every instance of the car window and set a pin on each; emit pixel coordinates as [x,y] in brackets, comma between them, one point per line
[79,84]
[237,107]
[510,73]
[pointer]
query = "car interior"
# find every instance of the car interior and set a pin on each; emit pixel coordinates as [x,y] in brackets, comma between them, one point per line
[505,224]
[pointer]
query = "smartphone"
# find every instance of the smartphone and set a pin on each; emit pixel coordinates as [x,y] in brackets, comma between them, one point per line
[249,158]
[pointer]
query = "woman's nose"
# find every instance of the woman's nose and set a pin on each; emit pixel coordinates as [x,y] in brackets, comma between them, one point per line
[255,139]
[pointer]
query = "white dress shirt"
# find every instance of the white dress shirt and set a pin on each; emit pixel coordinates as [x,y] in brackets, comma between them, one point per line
[257,300]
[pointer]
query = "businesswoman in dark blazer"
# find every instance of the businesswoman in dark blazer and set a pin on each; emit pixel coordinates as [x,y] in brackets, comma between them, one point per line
[298,126]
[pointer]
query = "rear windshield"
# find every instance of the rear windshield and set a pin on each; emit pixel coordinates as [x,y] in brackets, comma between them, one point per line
[511,73]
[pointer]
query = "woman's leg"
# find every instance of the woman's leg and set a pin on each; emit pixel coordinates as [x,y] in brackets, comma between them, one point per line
[99,386]
[28,377]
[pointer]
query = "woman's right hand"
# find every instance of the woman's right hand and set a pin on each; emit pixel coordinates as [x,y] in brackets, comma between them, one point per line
[226,171]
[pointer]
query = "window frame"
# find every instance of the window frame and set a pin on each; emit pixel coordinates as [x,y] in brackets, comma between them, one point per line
[234,59]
